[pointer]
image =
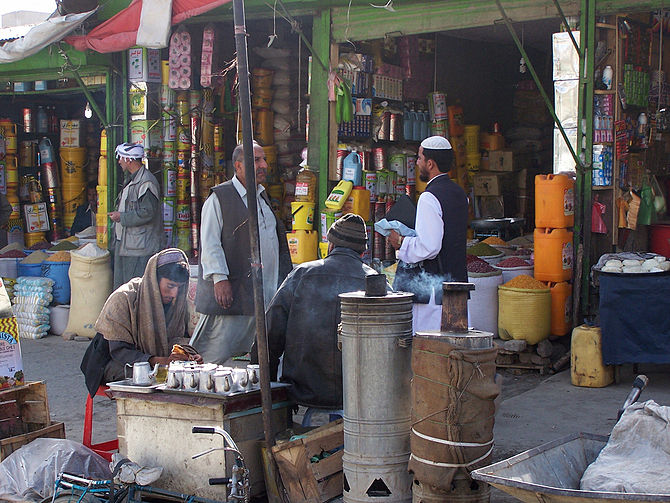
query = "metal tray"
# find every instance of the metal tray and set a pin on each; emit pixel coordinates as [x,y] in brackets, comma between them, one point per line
[209,394]
[128,386]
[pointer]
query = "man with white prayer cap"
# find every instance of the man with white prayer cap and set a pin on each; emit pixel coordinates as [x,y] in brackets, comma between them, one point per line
[437,252]
[138,229]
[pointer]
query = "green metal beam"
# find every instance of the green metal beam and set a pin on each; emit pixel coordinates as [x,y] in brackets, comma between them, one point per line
[538,83]
[317,150]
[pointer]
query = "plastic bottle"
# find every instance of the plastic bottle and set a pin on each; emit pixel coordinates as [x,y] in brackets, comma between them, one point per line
[42,120]
[339,195]
[408,124]
[352,169]
[425,126]
[305,186]
[416,127]
[608,74]
[46,151]
[53,120]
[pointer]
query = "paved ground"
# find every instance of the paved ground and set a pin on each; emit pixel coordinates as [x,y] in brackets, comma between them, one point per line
[535,409]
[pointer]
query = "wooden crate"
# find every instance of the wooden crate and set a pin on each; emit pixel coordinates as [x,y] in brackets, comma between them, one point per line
[9,445]
[313,482]
[24,416]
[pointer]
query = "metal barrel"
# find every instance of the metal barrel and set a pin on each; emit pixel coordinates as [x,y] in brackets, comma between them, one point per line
[376,368]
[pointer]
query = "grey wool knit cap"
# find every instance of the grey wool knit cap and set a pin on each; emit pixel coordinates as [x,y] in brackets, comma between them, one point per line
[349,231]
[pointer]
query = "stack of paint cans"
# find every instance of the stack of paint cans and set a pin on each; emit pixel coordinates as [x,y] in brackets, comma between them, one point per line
[169,121]
[195,117]
[51,183]
[10,184]
[182,237]
[207,175]
[101,219]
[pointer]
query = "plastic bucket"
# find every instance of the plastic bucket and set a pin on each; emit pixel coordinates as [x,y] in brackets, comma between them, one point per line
[58,318]
[102,170]
[30,238]
[660,239]
[29,269]
[302,216]
[58,271]
[302,245]
[323,250]
[262,98]
[72,163]
[264,126]
[9,267]
[261,77]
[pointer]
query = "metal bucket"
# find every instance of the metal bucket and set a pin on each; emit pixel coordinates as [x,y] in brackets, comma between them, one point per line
[376,368]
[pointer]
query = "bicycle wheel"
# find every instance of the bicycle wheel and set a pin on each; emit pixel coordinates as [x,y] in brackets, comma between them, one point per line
[74,498]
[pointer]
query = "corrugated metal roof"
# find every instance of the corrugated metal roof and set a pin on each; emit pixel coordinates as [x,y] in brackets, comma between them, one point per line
[14,32]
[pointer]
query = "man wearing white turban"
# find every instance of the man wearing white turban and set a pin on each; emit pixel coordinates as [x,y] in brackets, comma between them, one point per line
[437,252]
[137,220]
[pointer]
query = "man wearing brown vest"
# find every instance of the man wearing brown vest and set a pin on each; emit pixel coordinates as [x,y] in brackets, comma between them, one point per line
[224,296]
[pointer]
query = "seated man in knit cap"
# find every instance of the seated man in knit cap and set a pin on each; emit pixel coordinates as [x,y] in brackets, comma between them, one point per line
[141,321]
[303,316]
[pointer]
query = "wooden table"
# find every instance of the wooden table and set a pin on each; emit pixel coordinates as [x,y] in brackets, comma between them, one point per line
[154,429]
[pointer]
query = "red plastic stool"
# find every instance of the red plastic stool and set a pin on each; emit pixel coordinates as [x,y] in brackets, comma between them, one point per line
[104,449]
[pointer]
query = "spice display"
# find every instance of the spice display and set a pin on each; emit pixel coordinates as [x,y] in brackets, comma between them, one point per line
[494,241]
[525,282]
[475,264]
[36,257]
[513,262]
[41,245]
[61,256]
[482,250]
[13,254]
[64,245]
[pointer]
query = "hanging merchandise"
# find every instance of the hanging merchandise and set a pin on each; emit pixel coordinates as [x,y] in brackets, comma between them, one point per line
[597,223]
[180,60]
[646,214]
[207,56]
[344,111]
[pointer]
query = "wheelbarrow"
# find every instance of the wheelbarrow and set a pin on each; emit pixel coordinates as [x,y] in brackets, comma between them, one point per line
[551,472]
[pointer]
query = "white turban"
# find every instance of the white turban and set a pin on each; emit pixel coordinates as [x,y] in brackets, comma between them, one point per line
[129,151]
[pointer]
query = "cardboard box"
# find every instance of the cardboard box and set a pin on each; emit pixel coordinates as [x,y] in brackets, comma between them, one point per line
[144,65]
[501,160]
[488,141]
[488,184]
[144,101]
[71,133]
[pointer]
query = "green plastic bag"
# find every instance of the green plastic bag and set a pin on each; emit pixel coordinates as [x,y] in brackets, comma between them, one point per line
[647,214]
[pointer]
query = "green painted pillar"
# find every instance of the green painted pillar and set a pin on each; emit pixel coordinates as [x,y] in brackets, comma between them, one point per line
[317,151]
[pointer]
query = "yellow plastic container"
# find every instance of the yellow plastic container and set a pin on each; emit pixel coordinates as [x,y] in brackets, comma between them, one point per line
[72,163]
[302,245]
[261,77]
[11,169]
[73,196]
[561,308]
[458,145]
[586,359]
[553,254]
[271,160]
[524,314]
[102,200]
[554,201]
[323,250]
[339,195]
[473,162]
[263,126]
[102,170]
[302,216]
[101,230]
[358,202]
[471,136]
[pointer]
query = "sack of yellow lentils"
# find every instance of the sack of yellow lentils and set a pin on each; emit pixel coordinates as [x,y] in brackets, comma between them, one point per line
[524,309]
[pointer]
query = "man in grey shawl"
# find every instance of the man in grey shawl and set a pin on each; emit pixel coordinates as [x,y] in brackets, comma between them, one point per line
[144,318]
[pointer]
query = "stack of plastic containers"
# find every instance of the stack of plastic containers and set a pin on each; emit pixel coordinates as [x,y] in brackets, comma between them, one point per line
[101,229]
[554,218]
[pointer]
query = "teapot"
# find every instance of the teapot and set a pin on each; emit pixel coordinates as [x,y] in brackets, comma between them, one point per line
[223,382]
[240,379]
[142,373]
[253,373]
[206,377]
[191,379]
[175,376]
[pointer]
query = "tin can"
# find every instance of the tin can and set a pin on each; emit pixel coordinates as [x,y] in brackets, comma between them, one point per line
[49,175]
[183,213]
[394,127]
[371,183]
[183,138]
[397,164]
[364,154]
[410,162]
[195,239]
[399,185]
[195,183]
[169,127]
[27,114]
[384,126]
[183,188]
[167,97]
[383,186]
[170,183]
[169,204]
[218,137]
[440,128]
[378,158]
[169,155]
[380,210]
[182,108]
[183,162]
[195,130]
[219,161]
[168,232]
[194,102]
[378,250]
[182,239]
